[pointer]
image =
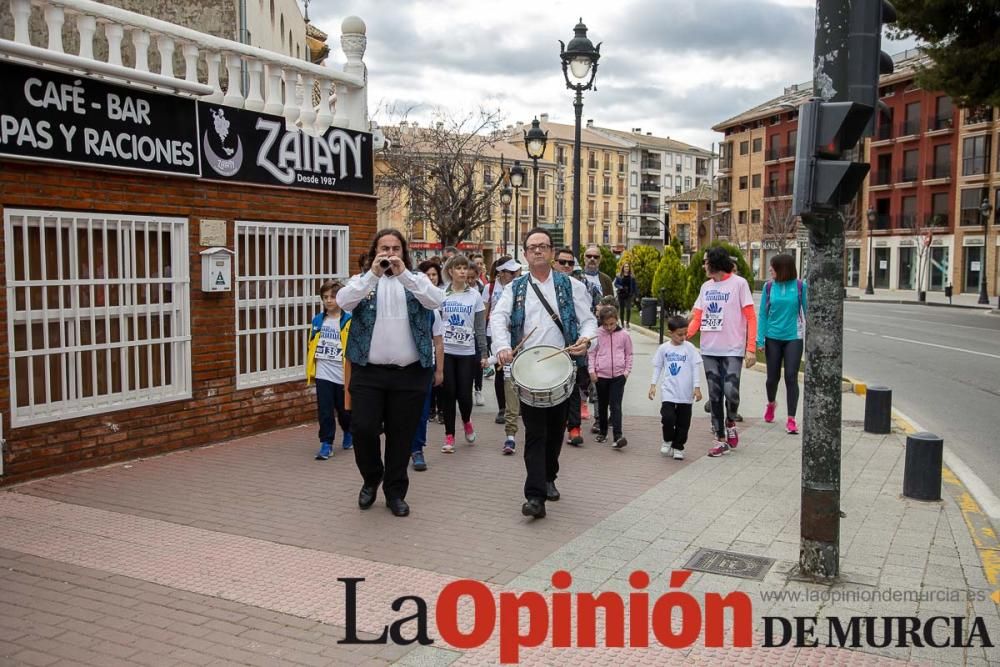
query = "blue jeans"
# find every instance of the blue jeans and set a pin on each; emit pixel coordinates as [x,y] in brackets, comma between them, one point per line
[330,402]
[420,435]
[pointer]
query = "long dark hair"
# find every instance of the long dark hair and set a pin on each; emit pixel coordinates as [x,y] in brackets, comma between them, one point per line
[427,265]
[389,231]
[784,267]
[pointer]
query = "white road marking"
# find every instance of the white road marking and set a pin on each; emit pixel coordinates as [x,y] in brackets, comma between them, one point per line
[869,333]
[942,323]
[943,347]
[851,330]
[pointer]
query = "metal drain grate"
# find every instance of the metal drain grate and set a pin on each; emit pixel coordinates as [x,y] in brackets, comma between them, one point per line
[730,564]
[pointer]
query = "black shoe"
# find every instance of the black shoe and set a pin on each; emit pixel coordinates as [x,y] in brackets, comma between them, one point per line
[551,492]
[500,419]
[533,507]
[708,406]
[619,443]
[600,437]
[367,496]
[596,428]
[737,417]
[398,507]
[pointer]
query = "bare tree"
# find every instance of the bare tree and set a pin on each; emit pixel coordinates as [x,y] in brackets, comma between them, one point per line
[447,173]
[780,225]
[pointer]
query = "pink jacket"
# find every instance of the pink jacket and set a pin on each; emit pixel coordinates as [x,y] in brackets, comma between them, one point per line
[611,354]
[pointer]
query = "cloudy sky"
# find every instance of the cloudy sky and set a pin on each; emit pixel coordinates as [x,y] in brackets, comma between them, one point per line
[673,67]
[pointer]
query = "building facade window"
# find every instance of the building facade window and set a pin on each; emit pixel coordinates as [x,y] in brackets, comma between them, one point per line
[758,143]
[975,155]
[755,181]
[279,268]
[755,216]
[98,312]
[744,147]
[969,202]
[743,182]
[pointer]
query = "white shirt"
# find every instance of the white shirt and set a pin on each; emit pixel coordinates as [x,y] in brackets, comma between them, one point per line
[329,354]
[392,342]
[535,315]
[594,280]
[681,368]
[458,313]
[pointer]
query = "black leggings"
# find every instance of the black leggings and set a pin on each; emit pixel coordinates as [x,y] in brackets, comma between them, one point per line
[789,353]
[458,373]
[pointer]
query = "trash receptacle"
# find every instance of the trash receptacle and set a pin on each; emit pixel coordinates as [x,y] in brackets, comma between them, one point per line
[648,312]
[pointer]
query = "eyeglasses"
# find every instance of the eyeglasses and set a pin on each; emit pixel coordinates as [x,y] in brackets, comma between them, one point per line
[565,262]
[592,256]
[538,247]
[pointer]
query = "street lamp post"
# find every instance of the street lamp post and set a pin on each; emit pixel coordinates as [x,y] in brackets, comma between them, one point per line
[534,143]
[579,59]
[506,194]
[517,180]
[984,209]
[870,287]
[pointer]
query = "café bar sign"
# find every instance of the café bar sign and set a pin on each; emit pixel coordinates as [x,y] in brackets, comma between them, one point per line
[50,115]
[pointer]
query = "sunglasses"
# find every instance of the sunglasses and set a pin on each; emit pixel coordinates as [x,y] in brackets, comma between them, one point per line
[592,256]
[565,262]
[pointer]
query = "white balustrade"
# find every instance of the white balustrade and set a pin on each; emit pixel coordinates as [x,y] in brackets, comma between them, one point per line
[275,83]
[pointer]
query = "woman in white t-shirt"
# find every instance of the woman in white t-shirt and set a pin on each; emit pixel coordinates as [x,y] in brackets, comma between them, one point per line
[464,317]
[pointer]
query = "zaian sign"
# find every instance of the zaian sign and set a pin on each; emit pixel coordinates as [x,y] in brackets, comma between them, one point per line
[250,147]
[46,115]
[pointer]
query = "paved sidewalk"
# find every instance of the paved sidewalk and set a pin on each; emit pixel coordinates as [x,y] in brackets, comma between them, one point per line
[958,300]
[230,554]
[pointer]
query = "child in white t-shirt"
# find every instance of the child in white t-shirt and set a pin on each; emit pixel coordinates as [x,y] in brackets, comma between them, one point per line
[679,362]
[325,364]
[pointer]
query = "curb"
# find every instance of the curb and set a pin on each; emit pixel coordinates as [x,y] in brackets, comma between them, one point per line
[987,308]
[980,527]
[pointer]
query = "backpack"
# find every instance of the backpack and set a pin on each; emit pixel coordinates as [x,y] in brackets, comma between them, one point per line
[767,295]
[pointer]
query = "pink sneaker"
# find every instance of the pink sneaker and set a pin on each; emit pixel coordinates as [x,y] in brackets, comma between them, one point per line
[791,426]
[732,436]
[449,444]
[769,412]
[719,449]
[470,433]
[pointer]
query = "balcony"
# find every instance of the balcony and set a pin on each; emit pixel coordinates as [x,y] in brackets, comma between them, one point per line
[650,230]
[649,187]
[780,153]
[942,123]
[650,209]
[607,191]
[906,221]
[650,165]
[909,128]
[882,222]
[938,171]
[975,165]
[977,115]
[779,190]
[592,164]
[883,132]
[881,177]
[726,164]
[342,95]
[906,175]
[936,220]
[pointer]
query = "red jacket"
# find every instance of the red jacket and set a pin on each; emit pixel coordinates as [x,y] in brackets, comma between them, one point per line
[611,353]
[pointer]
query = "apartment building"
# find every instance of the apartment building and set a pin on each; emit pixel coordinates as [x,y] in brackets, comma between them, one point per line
[689,217]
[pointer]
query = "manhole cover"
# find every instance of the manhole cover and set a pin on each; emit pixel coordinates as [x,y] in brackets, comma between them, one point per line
[730,564]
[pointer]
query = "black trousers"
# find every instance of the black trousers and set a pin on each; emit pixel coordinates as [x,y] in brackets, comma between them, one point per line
[459,370]
[330,402]
[573,402]
[543,436]
[392,396]
[787,353]
[498,387]
[676,421]
[610,392]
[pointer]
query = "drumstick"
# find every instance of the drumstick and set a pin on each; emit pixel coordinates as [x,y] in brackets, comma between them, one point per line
[557,352]
[521,344]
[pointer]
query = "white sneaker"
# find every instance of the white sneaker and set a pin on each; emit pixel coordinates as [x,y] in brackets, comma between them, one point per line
[478,397]
[666,449]
[678,455]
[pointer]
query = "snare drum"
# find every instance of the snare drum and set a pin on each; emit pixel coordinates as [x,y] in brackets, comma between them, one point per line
[540,382]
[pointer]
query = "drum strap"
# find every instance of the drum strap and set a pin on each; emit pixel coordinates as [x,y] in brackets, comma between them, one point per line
[548,308]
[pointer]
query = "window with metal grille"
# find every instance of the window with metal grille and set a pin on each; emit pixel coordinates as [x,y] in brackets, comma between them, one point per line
[279,269]
[98,314]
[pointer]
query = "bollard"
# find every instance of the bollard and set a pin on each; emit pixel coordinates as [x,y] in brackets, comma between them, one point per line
[922,470]
[647,314]
[878,410]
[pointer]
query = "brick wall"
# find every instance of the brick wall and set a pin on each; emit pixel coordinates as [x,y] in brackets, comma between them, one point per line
[217,411]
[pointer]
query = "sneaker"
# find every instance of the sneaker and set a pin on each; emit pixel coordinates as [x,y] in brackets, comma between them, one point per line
[678,455]
[348,441]
[596,428]
[470,432]
[584,410]
[666,449]
[769,412]
[620,443]
[449,444]
[791,427]
[325,451]
[732,436]
[489,372]
[575,438]
[737,417]
[418,461]
[600,437]
[478,397]
[508,445]
[719,449]
[500,418]
[440,418]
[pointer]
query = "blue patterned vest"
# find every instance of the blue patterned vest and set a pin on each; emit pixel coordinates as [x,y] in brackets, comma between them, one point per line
[564,307]
[363,324]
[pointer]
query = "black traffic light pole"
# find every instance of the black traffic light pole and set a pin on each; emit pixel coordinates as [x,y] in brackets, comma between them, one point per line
[819,546]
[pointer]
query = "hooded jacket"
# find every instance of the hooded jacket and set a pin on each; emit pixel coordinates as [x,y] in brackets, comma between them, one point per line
[611,354]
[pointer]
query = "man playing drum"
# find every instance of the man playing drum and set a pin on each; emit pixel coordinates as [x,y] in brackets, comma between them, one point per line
[547,308]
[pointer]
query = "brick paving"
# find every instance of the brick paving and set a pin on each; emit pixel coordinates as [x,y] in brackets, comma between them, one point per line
[230,554]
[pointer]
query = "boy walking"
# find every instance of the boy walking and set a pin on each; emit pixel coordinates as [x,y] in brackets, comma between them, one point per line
[325,364]
[680,364]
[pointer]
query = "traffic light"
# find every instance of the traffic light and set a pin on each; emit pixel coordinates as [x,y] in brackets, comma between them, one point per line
[865,58]
[824,181]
